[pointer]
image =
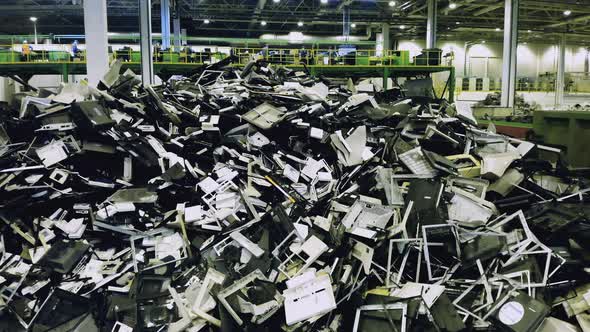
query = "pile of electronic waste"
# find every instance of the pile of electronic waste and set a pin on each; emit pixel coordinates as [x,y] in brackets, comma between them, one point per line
[579,108]
[264,199]
[523,110]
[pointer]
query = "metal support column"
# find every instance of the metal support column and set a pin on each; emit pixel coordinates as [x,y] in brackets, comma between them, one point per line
[386,75]
[147,60]
[465,58]
[35,30]
[65,73]
[95,27]
[509,54]
[346,22]
[452,81]
[431,24]
[165,20]
[313,71]
[587,61]
[385,30]
[560,81]
[176,26]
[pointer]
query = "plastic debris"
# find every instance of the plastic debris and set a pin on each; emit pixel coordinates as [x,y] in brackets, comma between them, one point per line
[264,199]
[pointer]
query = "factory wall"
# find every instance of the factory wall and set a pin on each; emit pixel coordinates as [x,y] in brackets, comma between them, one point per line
[533,59]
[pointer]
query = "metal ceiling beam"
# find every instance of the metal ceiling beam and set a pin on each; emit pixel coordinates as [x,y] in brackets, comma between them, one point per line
[359,21]
[556,5]
[571,21]
[26,8]
[487,9]
[554,12]
[42,11]
[535,14]
[459,5]
[417,10]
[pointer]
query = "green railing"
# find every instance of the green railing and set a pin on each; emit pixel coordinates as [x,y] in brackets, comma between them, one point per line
[18,54]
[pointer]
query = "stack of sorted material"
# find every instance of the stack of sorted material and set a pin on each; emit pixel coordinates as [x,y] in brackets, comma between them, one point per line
[263,199]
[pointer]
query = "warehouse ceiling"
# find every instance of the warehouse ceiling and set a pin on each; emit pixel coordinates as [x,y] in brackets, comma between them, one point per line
[541,20]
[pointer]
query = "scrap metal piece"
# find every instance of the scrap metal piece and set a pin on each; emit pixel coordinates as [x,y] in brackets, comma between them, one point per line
[241,284]
[264,116]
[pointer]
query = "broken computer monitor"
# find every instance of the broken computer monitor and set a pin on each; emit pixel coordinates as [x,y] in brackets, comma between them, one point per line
[91,115]
[381,317]
[518,312]
[63,256]
[252,297]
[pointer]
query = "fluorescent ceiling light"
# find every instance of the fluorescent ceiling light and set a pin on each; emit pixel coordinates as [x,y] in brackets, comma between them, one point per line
[452,5]
[324,1]
[276,1]
[299,24]
[497,29]
[391,3]
[34,19]
[263,23]
[353,25]
[295,36]
[206,21]
[402,27]
[567,12]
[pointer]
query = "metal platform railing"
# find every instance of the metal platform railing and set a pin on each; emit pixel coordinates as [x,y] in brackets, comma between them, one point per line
[26,53]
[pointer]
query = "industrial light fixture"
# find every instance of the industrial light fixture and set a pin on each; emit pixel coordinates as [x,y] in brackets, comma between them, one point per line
[391,3]
[300,24]
[483,41]
[567,12]
[353,25]
[402,27]
[276,1]
[323,2]
[452,5]
[206,21]
[497,29]
[263,23]
[457,23]
[34,20]
[529,31]
[295,37]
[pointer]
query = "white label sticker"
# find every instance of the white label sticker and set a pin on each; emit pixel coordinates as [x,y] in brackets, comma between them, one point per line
[511,313]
